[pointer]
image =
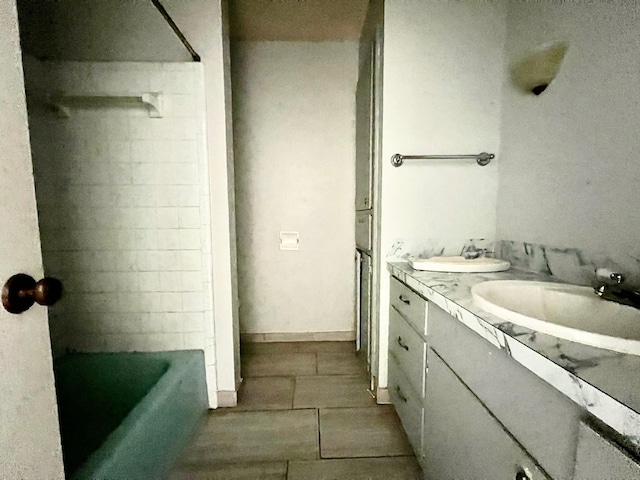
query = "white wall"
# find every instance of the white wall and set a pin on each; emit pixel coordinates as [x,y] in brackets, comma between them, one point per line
[569,169]
[294,114]
[441,95]
[121,30]
[123,203]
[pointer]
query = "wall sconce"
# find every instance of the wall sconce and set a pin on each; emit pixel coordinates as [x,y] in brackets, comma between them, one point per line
[534,72]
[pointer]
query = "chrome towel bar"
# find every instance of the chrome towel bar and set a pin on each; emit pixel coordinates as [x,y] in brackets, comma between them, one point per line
[482,158]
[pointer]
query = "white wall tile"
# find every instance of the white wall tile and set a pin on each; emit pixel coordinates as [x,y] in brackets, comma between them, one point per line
[171,302]
[169,260]
[170,282]
[191,261]
[167,217]
[126,261]
[189,239]
[142,151]
[149,281]
[169,239]
[179,106]
[193,341]
[187,196]
[141,128]
[142,195]
[129,243]
[148,261]
[189,217]
[192,302]
[192,281]
[146,239]
[174,128]
[143,174]
[128,281]
[183,174]
[192,322]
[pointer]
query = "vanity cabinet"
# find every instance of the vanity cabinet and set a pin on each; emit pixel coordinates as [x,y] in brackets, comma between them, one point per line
[477,413]
[407,360]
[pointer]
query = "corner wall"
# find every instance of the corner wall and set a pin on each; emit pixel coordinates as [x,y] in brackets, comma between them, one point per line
[294,134]
[568,176]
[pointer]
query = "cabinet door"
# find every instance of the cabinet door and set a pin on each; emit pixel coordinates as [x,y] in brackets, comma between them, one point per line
[409,349]
[599,458]
[363,231]
[531,409]
[364,322]
[408,405]
[462,439]
[364,134]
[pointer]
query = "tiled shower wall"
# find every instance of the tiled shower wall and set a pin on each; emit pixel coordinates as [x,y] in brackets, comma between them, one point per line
[123,203]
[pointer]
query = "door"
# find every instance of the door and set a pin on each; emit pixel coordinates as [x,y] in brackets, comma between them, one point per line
[29,433]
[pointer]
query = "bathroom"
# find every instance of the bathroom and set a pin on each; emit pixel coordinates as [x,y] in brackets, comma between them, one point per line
[554,182]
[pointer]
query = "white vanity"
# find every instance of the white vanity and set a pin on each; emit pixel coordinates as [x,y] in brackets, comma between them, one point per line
[482,398]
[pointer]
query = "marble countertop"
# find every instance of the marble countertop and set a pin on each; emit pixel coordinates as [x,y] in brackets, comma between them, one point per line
[605,383]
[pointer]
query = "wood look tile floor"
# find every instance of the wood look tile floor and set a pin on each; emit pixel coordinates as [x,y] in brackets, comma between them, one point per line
[304,413]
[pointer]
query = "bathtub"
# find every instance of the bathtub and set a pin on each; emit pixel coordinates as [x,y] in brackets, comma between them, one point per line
[127,415]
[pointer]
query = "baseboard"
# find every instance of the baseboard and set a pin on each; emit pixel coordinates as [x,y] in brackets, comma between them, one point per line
[347,336]
[382,396]
[227,399]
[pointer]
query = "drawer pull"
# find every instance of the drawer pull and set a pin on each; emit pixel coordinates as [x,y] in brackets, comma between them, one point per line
[402,345]
[400,395]
[404,300]
[524,474]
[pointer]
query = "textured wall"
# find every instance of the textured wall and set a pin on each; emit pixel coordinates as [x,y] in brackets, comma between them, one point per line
[294,144]
[123,207]
[569,170]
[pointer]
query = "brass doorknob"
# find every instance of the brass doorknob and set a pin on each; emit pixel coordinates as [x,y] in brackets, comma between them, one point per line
[21,291]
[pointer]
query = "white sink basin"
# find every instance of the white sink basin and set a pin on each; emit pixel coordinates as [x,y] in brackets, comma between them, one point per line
[566,311]
[460,264]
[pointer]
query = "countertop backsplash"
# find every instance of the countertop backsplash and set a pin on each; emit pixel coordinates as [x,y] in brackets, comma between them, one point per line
[404,248]
[570,265]
[567,264]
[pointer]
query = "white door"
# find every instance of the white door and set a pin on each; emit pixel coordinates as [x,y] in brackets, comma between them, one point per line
[29,432]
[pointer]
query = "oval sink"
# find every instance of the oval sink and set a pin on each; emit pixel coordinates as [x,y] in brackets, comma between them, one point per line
[460,264]
[566,311]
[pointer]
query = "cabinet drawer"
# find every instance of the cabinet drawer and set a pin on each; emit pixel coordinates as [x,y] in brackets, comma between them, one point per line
[461,437]
[409,350]
[411,305]
[407,403]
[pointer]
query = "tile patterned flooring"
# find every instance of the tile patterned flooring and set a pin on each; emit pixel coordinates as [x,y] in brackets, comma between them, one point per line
[304,413]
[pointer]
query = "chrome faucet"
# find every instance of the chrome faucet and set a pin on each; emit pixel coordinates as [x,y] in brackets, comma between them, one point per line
[470,252]
[615,292]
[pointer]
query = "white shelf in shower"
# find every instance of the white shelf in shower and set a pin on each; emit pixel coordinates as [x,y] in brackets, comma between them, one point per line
[64,102]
